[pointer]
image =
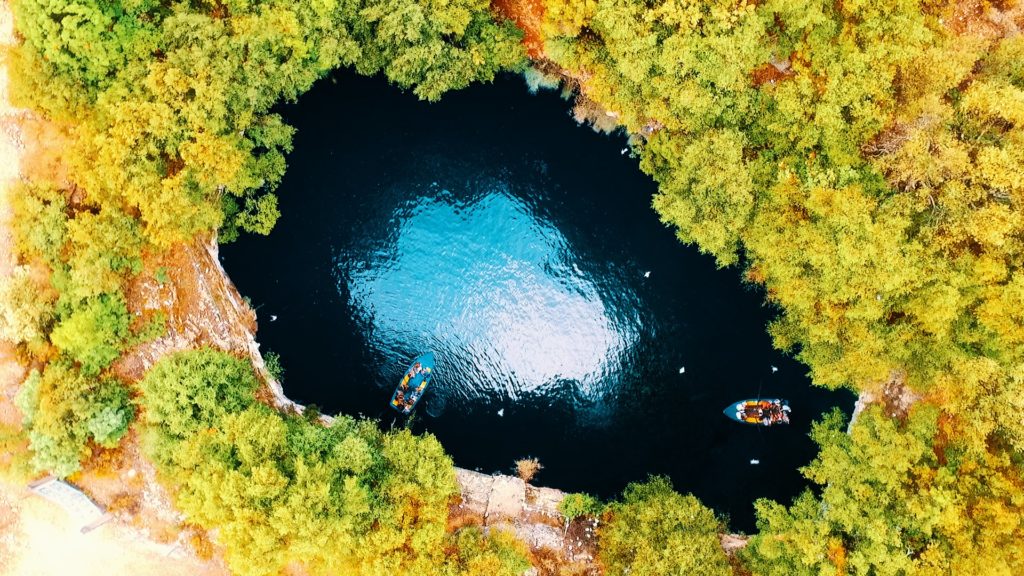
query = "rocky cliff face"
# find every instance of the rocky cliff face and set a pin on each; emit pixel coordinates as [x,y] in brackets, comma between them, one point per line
[202,307]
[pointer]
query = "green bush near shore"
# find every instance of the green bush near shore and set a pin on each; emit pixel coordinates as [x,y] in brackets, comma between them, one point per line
[345,498]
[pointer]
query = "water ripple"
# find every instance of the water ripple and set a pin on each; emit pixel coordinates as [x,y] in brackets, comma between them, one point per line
[495,290]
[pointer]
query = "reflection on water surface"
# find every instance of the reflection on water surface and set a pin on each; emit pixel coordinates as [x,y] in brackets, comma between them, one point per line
[495,291]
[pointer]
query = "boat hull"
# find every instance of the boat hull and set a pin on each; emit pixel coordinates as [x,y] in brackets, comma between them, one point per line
[413,384]
[757,412]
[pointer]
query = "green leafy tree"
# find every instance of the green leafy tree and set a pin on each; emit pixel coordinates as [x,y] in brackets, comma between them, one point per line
[705,189]
[26,308]
[15,456]
[896,498]
[104,249]
[66,412]
[94,333]
[433,47]
[190,391]
[40,222]
[342,498]
[575,505]
[655,531]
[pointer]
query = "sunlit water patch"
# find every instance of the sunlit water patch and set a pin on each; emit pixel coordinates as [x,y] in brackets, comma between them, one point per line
[496,292]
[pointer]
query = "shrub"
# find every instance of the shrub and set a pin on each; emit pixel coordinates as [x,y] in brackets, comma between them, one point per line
[527,468]
[25,310]
[655,531]
[272,360]
[498,554]
[64,410]
[575,505]
[190,391]
[15,457]
[95,332]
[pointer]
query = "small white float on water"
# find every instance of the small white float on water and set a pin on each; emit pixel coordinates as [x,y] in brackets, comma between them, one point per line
[682,369]
[501,412]
[755,461]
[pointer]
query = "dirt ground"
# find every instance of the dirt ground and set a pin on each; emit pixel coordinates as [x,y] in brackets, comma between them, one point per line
[37,538]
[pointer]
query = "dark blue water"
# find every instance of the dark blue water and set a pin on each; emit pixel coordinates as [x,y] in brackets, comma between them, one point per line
[521,249]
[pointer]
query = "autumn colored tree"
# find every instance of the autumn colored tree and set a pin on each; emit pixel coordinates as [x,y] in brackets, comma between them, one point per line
[343,498]
[67,413]
[896,498]
[656,531]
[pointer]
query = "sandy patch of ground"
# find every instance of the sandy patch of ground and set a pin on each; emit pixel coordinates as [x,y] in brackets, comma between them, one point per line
[40,539]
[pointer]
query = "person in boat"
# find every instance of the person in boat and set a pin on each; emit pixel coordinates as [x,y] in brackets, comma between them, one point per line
[412,373]
[751,413]
[779,412]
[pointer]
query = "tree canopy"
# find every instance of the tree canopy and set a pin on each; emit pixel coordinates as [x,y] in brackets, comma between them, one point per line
[861,161]
[342,498]
[168,135]
[895,501]
[170,103]
[67,413]
[654,530]
[853,158]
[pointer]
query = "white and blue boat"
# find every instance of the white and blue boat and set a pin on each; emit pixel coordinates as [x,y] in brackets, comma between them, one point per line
[762,411]
[414,384]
